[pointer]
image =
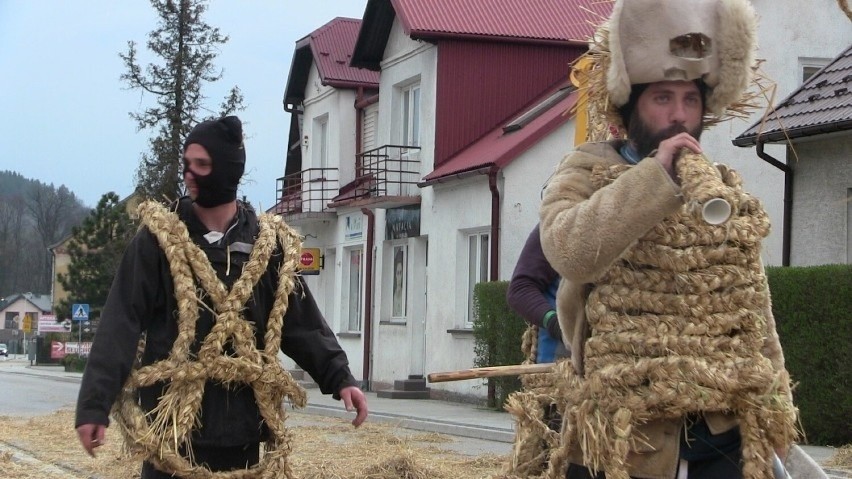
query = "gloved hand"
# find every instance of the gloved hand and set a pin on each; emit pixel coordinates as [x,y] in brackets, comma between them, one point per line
[551,324]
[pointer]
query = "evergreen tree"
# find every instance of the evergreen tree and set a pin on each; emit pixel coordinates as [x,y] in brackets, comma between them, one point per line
[187,47]
[96,249]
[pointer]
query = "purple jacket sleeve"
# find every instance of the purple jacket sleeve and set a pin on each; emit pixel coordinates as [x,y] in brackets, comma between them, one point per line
[531,278]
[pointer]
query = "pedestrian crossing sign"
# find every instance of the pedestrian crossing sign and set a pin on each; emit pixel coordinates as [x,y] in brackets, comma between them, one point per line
[80,312]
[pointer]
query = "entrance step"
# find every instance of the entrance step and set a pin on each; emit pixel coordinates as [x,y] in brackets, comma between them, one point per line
[412,388]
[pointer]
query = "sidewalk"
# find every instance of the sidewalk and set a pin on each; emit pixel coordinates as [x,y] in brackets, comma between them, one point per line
[457,419]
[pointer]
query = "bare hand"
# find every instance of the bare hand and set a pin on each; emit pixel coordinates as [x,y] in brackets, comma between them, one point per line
[669,150]
[354,398]
[91,436]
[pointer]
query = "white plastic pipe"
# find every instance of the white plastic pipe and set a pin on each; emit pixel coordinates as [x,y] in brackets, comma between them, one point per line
[716,211]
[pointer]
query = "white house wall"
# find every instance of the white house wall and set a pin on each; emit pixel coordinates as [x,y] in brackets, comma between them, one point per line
[786,37]
[453,210]
[407,60]
[821,213]
[329,287]
[339,106]
[524,179]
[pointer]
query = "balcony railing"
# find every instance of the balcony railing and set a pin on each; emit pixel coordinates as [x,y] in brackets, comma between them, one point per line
[389,170]
[307,191]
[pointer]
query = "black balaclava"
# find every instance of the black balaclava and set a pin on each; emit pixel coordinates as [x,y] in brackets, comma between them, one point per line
[223,140]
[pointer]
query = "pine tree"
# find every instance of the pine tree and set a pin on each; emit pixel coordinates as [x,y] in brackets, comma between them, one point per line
[96,249]
[187,47]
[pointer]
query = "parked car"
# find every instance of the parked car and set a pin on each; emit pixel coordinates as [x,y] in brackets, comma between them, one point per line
[4,351]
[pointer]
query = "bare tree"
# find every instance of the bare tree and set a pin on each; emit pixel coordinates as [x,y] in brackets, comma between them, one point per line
[187,47]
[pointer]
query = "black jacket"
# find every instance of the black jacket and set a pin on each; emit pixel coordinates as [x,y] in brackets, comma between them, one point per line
[142,299]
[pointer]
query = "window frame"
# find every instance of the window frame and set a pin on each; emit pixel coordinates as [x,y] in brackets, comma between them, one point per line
[357,319]
[478,245]
[410,96]
[403,248]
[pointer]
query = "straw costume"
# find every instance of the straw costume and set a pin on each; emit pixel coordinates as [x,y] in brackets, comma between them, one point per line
[212,312]
[668,317]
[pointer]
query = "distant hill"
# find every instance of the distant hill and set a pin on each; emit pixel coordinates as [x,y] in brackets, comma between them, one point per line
[33,216]
[13,184]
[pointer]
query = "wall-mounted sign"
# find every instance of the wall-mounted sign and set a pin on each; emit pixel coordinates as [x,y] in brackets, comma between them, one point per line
[310,261]
[353,229]
[402,222]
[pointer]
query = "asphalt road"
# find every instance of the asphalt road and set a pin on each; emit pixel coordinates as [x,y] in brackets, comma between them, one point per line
[29,395]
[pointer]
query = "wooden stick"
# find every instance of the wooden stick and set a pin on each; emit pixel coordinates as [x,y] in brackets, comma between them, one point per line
[490,372]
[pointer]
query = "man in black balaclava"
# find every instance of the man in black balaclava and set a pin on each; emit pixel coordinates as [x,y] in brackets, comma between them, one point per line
[144,298]
[223,141]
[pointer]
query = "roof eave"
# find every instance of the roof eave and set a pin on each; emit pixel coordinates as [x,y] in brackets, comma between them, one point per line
[428,35]
[349,84]
[458,175]
[778,136]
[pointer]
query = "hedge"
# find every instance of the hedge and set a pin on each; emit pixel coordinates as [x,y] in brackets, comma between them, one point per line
[497,337]
[813,314]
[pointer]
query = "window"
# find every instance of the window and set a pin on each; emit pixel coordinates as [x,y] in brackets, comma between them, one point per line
[478,267]
[320,152]
[399,298]
[355,257]
[411,115]
[808,72]
[811,65]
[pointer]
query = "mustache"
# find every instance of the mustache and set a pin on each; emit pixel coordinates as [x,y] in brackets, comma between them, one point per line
[671,131]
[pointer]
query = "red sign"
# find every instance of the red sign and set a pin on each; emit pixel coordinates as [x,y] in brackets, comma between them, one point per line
[58,349]
[309,261]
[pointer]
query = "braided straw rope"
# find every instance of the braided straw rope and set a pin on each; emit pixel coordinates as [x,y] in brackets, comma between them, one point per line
[533,438]
[161,434]
[677,328]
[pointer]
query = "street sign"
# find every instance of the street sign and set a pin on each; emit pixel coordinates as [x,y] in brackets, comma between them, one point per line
[27,325]
[310,261]
[80,312]
[47,324]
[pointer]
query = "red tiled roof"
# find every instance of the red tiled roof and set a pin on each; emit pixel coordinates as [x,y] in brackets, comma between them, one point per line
[332,46]
[823,104]
[548,20]
[499,148]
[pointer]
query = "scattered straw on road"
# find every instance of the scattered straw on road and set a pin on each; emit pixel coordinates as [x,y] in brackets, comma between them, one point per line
[324,448]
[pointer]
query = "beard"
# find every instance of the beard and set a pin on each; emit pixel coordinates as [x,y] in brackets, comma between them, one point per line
[647,141]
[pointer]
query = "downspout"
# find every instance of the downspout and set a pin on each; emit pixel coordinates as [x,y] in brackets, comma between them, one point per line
[495,249]
[788,201]
[368,300]
[495,223]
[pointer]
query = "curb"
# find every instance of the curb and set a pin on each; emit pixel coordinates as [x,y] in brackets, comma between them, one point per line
[418,424]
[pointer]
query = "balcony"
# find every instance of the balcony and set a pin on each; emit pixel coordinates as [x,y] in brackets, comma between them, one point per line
[304,196]
[385,177]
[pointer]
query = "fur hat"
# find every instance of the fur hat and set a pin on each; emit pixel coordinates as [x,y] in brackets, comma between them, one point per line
[646,41]
[655,40]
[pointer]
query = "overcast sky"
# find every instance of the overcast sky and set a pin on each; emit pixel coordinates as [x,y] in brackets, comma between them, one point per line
[64,111]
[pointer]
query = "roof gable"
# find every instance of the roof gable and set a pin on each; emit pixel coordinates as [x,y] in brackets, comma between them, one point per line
[506,143]
[823,104]
[519,21]
[330,48]
[39,301]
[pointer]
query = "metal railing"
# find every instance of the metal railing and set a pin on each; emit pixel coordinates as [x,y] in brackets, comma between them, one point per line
[389,170]
[307,191]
